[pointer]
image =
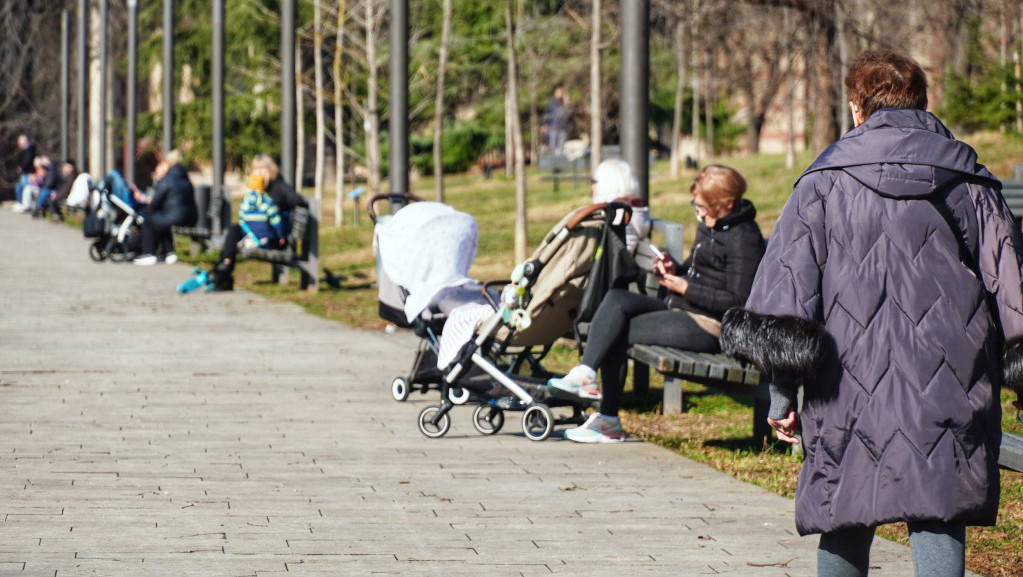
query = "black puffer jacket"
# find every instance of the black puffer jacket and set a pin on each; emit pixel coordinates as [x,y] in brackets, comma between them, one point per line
[284,196]
[722,264]
[173,202]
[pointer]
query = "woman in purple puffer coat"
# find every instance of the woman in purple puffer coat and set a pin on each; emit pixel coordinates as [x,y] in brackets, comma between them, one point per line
[891,291]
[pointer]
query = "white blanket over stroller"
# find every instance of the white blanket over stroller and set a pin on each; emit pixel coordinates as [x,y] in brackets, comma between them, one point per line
[427,247]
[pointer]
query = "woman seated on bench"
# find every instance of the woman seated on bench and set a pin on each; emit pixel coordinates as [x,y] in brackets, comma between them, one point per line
[284,198]
[694,295]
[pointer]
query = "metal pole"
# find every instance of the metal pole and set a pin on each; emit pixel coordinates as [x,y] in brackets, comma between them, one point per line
[635,78]
[65,81]
[399,162]
[218,107]
[103,42]
[83,85]
[168,76]
[131,136]
[288,92]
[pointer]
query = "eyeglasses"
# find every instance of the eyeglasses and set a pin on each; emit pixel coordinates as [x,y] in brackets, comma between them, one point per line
[699,207]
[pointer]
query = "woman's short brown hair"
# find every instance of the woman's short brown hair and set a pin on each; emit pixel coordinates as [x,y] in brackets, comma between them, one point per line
[717,184]
[883,79]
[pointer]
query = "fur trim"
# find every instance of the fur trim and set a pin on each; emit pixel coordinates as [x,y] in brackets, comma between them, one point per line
[774,343]
[1012,364]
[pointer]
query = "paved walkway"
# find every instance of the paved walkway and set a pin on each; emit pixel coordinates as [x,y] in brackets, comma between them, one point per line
[149,433]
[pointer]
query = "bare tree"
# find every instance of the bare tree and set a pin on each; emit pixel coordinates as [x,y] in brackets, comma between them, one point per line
[678,51]
[521,230]
[321,122]
[339,114]
[438,117]
[596,106]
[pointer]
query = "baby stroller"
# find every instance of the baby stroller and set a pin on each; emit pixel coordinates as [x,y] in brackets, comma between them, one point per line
[539,306]
[430,248]
[110,218]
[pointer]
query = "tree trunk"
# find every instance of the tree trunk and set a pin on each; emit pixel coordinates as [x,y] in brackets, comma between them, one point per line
[680,93]
[694,40]
[299,119]
[708,102]
[339,117]
[521,236]
[372,119]
[438,117]
[596,106]
[321,122]
[790,81]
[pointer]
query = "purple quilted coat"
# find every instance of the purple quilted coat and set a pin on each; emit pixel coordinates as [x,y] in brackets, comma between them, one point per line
[867,295]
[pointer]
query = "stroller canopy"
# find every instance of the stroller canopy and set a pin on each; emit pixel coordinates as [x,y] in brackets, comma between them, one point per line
[426,247]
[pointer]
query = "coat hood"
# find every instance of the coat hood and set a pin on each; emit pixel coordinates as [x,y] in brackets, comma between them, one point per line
[903,153]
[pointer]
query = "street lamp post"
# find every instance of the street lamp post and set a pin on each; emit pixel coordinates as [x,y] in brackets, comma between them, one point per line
[131,134]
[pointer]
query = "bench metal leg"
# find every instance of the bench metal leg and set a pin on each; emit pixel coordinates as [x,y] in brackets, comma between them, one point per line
[640,380]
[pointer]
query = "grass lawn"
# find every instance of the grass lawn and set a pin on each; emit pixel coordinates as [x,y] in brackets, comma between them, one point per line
[714,429]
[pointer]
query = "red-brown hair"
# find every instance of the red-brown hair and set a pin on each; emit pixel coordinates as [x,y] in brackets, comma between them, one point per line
[883,79]
[718,184]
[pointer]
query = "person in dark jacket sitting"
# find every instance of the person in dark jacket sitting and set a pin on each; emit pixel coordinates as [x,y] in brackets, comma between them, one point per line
[716,276]
[891,292]
[284,198]
[172,204]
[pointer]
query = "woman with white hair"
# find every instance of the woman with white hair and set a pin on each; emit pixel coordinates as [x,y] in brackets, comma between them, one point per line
[613,180]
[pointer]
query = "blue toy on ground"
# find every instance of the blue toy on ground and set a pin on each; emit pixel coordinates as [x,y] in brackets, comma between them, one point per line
[199,279]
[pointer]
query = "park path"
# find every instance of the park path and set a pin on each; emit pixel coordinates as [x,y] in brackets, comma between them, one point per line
[150,433]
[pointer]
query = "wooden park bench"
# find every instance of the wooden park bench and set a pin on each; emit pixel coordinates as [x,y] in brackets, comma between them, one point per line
[561,168]
[1012,190]
[214,220]
[300,252]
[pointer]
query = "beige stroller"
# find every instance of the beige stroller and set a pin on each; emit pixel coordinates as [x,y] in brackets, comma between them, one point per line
[542,303]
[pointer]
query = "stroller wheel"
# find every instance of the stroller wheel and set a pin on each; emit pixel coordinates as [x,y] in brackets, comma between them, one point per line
[117,252]
[537,422]
[97,252]
[431,429]
[487,419]
[400,388]
[458,395]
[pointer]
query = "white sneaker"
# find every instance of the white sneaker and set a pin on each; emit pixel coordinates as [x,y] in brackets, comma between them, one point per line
[171,258]
[597,429]
[19,208]
[580,381]
[145,260]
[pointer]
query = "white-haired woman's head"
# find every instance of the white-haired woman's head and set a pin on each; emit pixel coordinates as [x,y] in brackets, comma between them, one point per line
[613,179]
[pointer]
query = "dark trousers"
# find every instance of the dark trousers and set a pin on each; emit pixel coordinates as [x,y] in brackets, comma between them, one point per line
[155,235]
[625,318]
[229,251]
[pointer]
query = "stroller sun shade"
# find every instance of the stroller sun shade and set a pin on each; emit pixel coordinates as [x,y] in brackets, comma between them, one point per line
[424,248]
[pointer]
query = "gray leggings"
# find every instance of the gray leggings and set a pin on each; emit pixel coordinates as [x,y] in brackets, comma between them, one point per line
[939,550]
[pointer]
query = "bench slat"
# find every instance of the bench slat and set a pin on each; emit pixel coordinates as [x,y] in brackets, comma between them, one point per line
[1011,455]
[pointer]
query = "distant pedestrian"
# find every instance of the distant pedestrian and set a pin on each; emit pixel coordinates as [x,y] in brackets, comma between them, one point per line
[891,291]
[555,122]
[26,165]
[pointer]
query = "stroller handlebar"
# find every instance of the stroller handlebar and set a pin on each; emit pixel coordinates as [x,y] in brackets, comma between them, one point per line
[394,197]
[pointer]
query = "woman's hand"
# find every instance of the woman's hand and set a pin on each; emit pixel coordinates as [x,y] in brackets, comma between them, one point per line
[674,283]
[786,428]
[664,265]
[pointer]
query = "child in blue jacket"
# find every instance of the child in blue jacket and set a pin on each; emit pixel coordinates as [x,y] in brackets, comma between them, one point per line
[259,217]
